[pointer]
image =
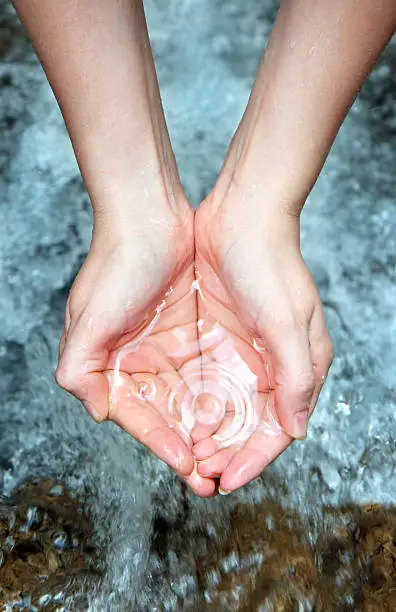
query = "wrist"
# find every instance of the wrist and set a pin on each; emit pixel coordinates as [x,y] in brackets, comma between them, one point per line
[129,177]
[257,181]
[162,221]
[145,194]
[242,204]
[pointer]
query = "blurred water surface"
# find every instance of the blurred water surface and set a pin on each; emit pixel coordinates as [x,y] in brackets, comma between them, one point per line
[207,53]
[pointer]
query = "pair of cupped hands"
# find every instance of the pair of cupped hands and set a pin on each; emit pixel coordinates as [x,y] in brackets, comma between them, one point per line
[165,295]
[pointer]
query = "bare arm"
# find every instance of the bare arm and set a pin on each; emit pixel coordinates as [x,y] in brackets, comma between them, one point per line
[319,54]
[97,57]
[98,60]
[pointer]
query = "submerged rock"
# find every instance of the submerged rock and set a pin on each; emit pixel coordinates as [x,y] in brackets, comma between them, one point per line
[283,563]
[46,556]
[271,560]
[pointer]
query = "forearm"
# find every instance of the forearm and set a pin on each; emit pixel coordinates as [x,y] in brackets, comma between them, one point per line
[98,60]
[318,56]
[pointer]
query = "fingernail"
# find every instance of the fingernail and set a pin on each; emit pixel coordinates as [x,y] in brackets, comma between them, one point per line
[92,412]
[300,424]
[224,491]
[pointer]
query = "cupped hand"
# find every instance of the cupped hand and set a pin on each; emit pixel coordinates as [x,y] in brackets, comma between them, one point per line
[254,281]
[117,355]
[212,357]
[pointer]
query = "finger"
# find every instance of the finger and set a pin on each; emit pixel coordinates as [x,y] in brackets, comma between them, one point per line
[247,465]
[258,452]
[293,376]
[146,424]
[208,411]
[203,449]
[204,487]
[234,429]
[215,465]
[241,377]
[80,368]
[210,405]
[321,351]
[265,419]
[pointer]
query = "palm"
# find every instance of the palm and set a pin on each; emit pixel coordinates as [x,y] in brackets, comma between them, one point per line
[131,337]
[155,375]
[238,447]
[172,345]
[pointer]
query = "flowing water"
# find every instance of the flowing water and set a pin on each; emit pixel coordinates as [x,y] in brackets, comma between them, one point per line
[165,549]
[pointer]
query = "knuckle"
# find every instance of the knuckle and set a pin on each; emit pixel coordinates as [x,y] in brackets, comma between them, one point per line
[64,377]
[301,383]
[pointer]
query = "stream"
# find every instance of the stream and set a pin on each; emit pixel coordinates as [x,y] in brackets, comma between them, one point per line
[317,530]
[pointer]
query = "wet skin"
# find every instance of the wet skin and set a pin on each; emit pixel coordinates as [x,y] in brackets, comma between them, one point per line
[162,337]
[255,281]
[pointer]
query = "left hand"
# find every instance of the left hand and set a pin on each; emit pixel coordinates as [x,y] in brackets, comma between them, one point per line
[254,281]
[112,358]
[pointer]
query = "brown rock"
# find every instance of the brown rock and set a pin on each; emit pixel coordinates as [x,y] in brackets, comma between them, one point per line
[347,561]
[43,536]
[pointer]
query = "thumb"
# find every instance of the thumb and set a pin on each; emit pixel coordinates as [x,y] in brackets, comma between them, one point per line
[294,378]
[82,363]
